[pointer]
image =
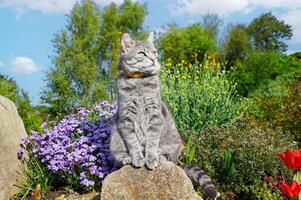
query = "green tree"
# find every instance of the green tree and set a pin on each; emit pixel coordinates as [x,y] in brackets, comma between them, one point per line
[10,90]
[76,78]
[116,20]
[188,43]
[212,24]
[236,45]
[268,32]
[86,54]
[258,69]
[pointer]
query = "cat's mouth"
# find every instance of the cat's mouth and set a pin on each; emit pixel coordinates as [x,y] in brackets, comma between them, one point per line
[146,68]
[138,65]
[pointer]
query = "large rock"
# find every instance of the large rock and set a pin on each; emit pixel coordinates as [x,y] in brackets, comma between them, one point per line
[11,131]
[166,182]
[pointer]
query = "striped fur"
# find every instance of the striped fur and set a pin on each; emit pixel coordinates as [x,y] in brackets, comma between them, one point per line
[144,133]
[199,176]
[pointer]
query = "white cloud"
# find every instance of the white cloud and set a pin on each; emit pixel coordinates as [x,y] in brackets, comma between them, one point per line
[23,65]
[44,6]
[227,7]
[293,17]
[285,4]
[220,7]
[107,2]
[1,64]
[47,6]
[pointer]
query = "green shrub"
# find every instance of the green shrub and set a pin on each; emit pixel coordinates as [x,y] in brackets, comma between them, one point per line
[253,152]
[291,118]
[198,95]
[258,69]
[185,43]
[265,102]
[261,191]
[279,103]
[10,89]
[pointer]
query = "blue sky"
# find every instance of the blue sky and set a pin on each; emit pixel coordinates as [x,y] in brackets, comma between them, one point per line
[27,28]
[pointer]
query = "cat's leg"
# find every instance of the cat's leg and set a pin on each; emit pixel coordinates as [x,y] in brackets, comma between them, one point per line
[153,138]
[170,142]
[127,129]
[170,148]
[169,152]
[118,148]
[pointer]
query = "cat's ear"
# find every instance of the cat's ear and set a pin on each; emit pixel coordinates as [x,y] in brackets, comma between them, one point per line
[127,42]
[150,38]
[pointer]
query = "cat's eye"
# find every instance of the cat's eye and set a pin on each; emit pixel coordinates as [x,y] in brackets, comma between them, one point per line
[155,52]
[141,53]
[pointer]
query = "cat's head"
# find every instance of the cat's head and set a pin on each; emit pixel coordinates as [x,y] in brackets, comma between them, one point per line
[139,56]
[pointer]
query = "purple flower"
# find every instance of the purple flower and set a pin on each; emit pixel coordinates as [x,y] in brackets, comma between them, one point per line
[21,154]
[84,181]
[78,144]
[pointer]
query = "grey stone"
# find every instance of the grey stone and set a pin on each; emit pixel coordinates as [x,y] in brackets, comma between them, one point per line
[166,182]
[11,131]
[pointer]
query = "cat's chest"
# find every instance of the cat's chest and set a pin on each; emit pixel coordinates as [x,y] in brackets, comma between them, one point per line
[139,88]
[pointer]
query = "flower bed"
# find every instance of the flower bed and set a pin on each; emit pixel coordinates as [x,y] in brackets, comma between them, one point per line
[77,148]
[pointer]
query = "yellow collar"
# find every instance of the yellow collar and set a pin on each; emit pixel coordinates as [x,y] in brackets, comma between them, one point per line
[134,75]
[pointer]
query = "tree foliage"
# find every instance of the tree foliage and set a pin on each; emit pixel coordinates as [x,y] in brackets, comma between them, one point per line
[75,78]
[236,45]
[188,43]
[86,54]
[127,18]
[258,69]
[268,32]
[212,24]
[10,90]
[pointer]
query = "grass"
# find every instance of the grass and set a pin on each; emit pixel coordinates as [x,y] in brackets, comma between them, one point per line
[34,173]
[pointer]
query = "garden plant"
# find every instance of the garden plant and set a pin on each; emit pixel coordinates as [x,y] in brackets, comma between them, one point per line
[74,153]
[234,91]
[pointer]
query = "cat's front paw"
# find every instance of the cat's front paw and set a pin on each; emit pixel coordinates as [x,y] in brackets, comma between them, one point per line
[126,161]
[138,161]
[162,159]
[151,162]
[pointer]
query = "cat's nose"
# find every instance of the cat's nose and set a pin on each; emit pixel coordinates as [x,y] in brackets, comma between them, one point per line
[153,60]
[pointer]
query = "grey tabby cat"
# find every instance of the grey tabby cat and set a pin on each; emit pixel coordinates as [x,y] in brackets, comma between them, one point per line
[145,133]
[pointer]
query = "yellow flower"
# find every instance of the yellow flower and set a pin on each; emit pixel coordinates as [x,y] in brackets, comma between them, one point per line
[168,64]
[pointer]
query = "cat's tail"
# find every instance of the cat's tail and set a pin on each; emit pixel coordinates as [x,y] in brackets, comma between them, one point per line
[198,175]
